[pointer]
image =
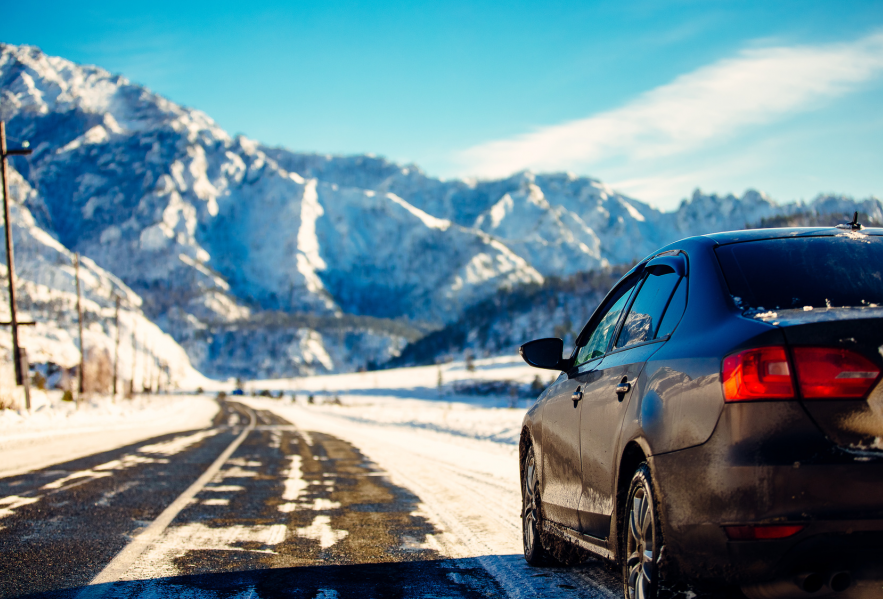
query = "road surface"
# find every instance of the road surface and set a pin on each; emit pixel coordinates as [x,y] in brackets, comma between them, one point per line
[259,506]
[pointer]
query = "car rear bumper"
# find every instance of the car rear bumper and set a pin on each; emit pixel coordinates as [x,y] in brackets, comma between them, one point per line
[739,477]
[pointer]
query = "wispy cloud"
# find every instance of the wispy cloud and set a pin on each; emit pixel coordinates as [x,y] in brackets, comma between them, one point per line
[757,86]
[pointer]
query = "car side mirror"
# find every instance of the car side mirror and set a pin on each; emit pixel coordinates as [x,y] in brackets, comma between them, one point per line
[544,353]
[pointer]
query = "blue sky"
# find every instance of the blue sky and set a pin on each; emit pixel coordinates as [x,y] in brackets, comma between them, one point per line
[655,98]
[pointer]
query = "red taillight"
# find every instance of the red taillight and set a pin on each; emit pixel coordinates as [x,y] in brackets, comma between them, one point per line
[756,374]
[821,372]
[825,372]
[762,532]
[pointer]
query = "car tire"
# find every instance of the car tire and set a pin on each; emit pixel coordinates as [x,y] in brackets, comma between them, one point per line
[641,538]
[531,520]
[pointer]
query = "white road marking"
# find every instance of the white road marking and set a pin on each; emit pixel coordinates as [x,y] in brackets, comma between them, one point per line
[125,558]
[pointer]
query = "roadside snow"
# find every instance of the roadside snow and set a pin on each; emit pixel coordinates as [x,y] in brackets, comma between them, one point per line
[412,398]
[56,431]
[420,380]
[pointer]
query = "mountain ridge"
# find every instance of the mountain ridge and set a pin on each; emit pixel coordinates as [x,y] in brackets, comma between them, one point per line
[213,230]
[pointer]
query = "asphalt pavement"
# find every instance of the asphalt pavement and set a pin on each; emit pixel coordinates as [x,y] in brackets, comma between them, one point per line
[289,513]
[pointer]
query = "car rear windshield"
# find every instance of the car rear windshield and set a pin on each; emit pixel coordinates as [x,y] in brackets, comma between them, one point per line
[779,274]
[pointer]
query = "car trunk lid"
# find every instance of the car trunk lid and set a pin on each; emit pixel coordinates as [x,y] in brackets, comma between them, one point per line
[851,422]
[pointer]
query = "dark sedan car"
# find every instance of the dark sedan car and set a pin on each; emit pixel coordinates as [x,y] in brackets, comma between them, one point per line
[719,422]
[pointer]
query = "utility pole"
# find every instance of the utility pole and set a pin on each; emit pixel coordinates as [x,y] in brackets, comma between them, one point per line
[116,349]
[10,261]
[80,324]
[154,369]
[148,371]
[134,358]
[26,379]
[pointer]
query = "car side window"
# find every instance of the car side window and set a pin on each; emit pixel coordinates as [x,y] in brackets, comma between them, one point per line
[600,337]
[647,310]
[675,310]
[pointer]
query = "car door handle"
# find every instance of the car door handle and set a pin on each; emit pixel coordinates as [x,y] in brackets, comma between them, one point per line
[577,396]
[623,388]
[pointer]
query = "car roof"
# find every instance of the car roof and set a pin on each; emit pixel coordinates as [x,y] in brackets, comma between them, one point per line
[761,234]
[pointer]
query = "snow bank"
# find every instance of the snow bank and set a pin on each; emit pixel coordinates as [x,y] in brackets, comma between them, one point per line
[56,431]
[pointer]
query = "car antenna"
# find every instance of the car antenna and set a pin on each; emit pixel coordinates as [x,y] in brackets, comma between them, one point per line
[854,225]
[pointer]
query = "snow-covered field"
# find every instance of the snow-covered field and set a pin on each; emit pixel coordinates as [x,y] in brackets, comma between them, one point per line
[412,398]
[56,431]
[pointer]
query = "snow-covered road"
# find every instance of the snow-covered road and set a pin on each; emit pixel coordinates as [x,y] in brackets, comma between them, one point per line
[383,484]
[458,453]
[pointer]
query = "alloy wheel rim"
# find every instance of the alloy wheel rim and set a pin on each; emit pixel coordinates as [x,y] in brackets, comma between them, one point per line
[641,560]
[529,514]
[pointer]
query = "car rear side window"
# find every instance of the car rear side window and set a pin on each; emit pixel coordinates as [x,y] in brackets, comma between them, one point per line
[675,310]
[646,312]
[778,274]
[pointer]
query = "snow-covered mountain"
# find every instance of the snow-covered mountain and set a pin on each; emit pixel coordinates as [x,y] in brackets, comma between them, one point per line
[45,277]
[560,223]
[232,244]
[210,230]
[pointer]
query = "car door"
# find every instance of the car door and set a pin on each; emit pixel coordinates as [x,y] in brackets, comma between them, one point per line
[606,394]
[562,479]
[562,470]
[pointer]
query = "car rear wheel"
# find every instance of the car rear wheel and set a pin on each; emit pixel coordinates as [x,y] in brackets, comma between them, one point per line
[530,511]
[642,539]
